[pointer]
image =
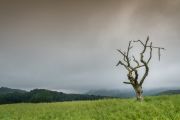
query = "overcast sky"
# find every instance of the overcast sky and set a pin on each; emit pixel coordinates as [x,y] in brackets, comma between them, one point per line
[71,44]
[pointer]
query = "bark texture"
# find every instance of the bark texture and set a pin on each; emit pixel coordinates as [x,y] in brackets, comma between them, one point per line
[139,92]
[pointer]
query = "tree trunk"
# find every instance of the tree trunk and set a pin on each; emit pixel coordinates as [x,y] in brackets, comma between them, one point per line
[139,92]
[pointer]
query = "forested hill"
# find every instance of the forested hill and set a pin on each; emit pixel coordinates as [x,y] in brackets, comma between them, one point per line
[5,90]
[169,92]
[8,96]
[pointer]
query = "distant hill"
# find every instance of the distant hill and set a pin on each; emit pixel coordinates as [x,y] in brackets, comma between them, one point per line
[112,93]
[5,90]
[129,93]
[169,92]
[40,95]
[43,95]
[8,95]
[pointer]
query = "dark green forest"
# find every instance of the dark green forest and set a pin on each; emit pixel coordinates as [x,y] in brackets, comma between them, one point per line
[8,96]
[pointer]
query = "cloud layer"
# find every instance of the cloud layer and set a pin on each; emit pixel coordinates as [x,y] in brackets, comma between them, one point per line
[72,44]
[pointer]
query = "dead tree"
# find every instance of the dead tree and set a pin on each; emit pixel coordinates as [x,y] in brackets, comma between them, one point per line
[133,75]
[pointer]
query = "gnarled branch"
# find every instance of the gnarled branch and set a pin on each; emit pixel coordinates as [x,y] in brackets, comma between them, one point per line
[133,75]
[139,64]
[127,83]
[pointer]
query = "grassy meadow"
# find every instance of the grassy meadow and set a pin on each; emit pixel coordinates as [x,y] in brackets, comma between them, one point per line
[153,108]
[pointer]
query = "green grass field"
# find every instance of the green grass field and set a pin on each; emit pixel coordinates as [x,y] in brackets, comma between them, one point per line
[153,108]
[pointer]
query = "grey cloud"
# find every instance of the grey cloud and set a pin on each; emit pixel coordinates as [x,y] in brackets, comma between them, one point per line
[72,45]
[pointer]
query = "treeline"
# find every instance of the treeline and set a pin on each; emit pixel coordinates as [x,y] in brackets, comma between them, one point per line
[43,95]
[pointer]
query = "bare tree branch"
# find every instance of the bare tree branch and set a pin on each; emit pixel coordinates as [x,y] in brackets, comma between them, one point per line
[159,50]
[150,53]
[144,62]
[127,83]
[157,47]
[121,52]
[134,59]
[127,56]
[133,75]
[124,55]
[139,41]
[120,62]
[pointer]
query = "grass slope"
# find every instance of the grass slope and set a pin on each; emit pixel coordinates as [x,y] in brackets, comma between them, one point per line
[153,108]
